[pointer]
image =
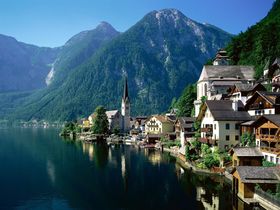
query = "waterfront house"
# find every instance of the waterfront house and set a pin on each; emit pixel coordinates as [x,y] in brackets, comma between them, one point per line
[272,74]
[245,179]
[216,79]
[184,129]
[267,131]
[220,123]
[263,102]
[158,124]
[114,119]
[246,156]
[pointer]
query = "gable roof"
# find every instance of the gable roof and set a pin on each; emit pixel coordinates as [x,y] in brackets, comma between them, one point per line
[234,72]
[161,118]
[111,113]
[274,118]
[247,152]
[223,111]
[271,97]
[258,174]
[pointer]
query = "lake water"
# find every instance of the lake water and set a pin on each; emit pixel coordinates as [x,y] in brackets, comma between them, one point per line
[39,170]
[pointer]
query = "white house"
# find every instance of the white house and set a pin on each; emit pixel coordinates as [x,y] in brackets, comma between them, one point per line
[220,122]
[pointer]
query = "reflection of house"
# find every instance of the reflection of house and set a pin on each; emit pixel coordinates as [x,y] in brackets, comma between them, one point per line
[267,130]
[245,179]
[114,119]
[243,92]
[220,121]
[202,197]
[217,79]
[184,128]
[158,124]
[263,103]
[246,156]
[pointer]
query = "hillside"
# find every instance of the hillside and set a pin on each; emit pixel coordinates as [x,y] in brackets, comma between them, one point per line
[259,44]
[22,66]
[160,54]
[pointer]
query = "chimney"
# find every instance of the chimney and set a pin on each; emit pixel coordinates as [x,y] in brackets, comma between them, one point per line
[235,105]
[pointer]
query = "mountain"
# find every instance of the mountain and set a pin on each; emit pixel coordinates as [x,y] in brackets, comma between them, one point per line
[78,49]
[160,55]
[259,44]
[23,66]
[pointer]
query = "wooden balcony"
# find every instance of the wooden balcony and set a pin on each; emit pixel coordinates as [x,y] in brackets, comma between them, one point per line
[271,150]
[208,141]
[207,130]
[267,137]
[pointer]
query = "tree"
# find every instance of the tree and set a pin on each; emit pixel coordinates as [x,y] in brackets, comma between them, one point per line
[184,104]
[247,139]
[100,122]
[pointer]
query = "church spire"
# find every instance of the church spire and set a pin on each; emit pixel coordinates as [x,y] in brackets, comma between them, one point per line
[125,90]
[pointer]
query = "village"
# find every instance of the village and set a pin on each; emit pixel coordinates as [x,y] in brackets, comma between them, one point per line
[235,130]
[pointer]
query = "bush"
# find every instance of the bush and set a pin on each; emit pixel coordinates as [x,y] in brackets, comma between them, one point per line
[266,163]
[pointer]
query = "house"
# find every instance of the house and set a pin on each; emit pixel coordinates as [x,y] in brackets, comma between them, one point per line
[246,156]
[267,131]
[114,119]
[91,119]
[215,80]
[220,123]
[243,92]
[245,178]
[184,128]
[139,123]
[275,68]
[158,124]
[263,102]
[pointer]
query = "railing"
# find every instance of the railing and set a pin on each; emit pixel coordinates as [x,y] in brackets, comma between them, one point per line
[206,130]
[267,137]
[207,141]
[267,196]
[270,149]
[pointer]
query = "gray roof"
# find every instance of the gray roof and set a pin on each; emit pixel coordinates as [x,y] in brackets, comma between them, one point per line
[247,152]
[241,72]
[248,123]
[222,111]
[258,174]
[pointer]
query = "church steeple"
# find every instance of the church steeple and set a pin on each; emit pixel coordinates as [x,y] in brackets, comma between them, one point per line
[125,90]
[125,108]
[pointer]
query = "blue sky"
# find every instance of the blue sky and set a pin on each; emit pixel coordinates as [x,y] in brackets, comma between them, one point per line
[52,22]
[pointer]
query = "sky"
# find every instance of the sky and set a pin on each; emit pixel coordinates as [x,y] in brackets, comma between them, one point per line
[51,23]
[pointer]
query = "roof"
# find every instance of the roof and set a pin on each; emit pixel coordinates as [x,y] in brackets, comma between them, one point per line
[240,72]
[223,111]
[258,174]
[161,118]
[111,113]
[125,90]
[271,97]
[247,152]
[186,122]
[225,83]
[248,123]
[272,118]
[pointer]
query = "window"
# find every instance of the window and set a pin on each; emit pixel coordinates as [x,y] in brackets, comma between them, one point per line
[227,126]
[237,126]
[271,159]
[269,111]
[214,126]
[277,160]
[227,137]
[236,138]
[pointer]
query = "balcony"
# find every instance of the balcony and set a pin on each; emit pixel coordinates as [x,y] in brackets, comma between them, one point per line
[267,137]
[271,150]
[207,130]
[208,141]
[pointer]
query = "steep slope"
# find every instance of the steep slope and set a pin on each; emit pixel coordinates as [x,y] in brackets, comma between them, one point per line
[78,49]
[260,43]
[23,66]
[160,54]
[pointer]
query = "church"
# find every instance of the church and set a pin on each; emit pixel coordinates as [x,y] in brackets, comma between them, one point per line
[120,120]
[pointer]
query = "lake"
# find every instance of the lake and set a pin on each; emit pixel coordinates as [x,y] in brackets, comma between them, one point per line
[40,170]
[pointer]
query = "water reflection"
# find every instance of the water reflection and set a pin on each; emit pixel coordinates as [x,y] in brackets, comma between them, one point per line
[208,201]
